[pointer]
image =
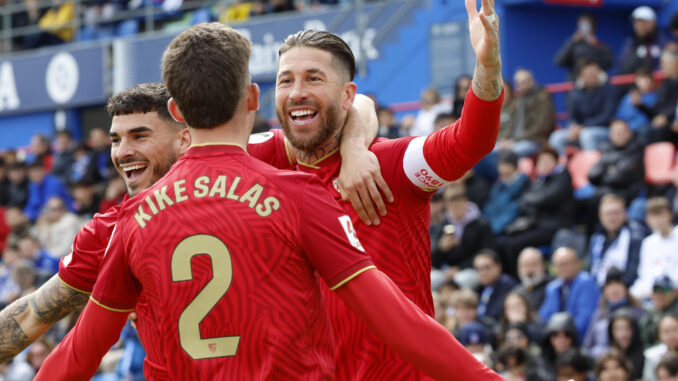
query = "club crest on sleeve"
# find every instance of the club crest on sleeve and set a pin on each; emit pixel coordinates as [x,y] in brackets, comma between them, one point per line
[347,225]
[260,137]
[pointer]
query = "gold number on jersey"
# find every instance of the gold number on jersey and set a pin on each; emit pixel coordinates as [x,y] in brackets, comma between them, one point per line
[202,304]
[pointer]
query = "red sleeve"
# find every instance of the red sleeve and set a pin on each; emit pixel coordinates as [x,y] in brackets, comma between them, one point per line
[270,148]
[455,149]
[78,355]
[117,289]
[415,336]
[327,236]
[80,268]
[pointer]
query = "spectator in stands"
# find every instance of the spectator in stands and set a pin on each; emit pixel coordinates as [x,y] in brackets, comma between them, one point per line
[56,228]
[473,336]
[613,366]
[673,28]
[464,303]
[508,110]
[40,150]
[643,48]
[667,369]
[584,45]
[518,310]
[574,291]
[463,233]
[63,155]
[57,22]
[501,208]
[31,250]
[512,362]
[86,201]
[388,125]
[532,120]
[614,297]
[4,183]
[643,92]
[668,342]
[664,302]
[114,194]
[659,251]
[533,276]
[572,365]
[100,144]
[624,334]
[84,166]
[559,336]
[277,6]
[546,206]
[17,187]
[590,107]
[430,108]
[443,120]
[18,224]
[620,169]
[494,285]
[461,87]
[42,187]
[663,114]
[616,242]
[26,18]
[517,334]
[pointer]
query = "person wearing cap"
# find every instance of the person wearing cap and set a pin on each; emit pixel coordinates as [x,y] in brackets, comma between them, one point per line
[584,45]
[665,302]
[659,251]
[615,296]
[474,337]
[643,48]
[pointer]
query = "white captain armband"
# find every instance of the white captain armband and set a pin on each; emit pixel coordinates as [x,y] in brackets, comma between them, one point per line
[417,169]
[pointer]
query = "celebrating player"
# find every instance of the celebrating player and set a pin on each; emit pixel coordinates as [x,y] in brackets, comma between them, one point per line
[314,77]
[225,247]
[146,143]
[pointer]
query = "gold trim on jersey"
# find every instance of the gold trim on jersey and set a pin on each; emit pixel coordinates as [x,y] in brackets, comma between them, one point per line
[109,308]
[218,144]
[314,164]
[287,151]
[71,287]
[355,274]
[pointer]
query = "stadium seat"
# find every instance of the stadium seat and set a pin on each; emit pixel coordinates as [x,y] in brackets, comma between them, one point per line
[580,165]
[659,163]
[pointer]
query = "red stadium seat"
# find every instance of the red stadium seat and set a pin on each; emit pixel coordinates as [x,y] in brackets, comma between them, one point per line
[580,165]
[659,163]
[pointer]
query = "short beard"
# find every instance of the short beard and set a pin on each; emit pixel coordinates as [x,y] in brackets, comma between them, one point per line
[532,281]
[329,125]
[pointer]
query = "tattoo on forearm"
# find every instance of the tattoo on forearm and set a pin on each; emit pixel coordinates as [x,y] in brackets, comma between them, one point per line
[54,301]
[12,338]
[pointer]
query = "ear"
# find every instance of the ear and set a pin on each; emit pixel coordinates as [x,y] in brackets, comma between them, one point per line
[174,111]
[183,141]
[348,95]
[253,97]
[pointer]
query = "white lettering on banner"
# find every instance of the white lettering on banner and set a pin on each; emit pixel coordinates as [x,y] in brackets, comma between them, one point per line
[9,99]
[264,59]
[62,77]
[352,236]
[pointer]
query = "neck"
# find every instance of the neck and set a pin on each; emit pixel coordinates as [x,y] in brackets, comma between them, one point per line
[231,132]
[320,152]
[665,231]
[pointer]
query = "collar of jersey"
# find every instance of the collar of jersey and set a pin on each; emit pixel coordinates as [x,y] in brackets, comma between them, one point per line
[215,148]
[322,161]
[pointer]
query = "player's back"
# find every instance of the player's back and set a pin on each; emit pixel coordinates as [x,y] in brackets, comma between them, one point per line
[215,245]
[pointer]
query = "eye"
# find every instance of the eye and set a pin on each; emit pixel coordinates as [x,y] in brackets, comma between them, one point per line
[284,81]
[315,79]
[115,140]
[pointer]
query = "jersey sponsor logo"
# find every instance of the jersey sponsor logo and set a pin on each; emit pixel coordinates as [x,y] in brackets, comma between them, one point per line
[417,169]
[260,138]
[351,234]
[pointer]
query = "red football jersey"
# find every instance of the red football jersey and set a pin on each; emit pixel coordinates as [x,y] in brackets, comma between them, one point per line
[400,245]
[226,249]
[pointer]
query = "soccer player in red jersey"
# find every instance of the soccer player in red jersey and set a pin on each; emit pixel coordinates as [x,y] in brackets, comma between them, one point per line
[314,71]
[226,250]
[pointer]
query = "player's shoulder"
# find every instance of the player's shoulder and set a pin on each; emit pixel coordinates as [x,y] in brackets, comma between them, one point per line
[268,137]
[383,147]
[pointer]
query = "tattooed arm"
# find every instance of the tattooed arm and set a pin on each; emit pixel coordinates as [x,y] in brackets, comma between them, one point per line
[484,32]
[23,321]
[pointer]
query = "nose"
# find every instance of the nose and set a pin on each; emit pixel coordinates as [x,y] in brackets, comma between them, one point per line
[298,91]
[124,149]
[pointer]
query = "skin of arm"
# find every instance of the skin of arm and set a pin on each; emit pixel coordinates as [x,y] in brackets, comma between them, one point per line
[360,176]
[26,319]
[487,81]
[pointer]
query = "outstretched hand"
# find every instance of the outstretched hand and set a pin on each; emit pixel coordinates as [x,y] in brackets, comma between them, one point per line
[484,32]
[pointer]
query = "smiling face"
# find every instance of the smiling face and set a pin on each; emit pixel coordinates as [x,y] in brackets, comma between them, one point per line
[144,147]
[312,96]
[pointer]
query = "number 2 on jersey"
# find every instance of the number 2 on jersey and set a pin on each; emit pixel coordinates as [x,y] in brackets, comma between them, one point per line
[207,298]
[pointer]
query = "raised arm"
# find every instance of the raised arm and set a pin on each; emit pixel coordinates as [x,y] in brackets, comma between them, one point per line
[78,356]
[23,321]
[484,31]
[401,325]
[360,176]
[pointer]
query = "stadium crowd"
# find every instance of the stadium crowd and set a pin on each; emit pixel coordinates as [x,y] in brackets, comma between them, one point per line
[544,269]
